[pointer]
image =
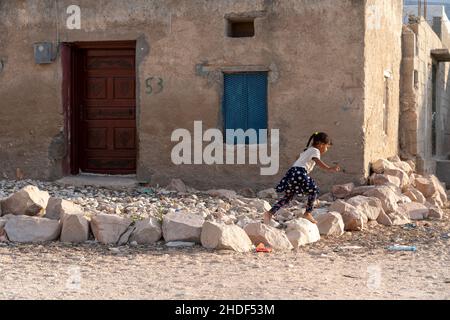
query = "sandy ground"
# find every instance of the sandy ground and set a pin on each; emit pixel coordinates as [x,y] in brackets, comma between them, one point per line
[354,266]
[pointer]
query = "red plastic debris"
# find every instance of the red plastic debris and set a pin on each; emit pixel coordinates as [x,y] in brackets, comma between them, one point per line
[262,248]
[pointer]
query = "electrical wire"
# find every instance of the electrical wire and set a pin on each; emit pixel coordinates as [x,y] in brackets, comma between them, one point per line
[57,30]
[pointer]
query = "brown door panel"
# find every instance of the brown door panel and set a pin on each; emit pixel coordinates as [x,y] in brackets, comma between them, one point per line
[108,111]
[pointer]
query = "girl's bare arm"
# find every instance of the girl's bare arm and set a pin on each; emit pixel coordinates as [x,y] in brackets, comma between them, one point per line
[323,165]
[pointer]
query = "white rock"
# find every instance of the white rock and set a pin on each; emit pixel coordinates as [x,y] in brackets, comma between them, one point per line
[414,210]
[380,179]
[435,212]
[177,185]
[227,219]
[360,190]
[384,219]
[32,229]
[328,197]
[412,165]
[3,236]
[435,200]
[260,205]
[268,193]
[75,228]
[284,215]
[400,174]
[125,237]
[108,228]
[370,206]
[431,188]
[343,190]
[237,202]
[229,194]
[403,199]
[354,220]
[394,159]
[274,224]
[301,232]
[414,194]
[404,166]
[247,192]
[321,210]
[439,188]
[28,201]
[330,223]
[182,226]
[387,196]
[381,164]
[175,244]
[114,250]
[147,231]
[225,237]
[57,208]
[399,218]
[272,237]
[244,220]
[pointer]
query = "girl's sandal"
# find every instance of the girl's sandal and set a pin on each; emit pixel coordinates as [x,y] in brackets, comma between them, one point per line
[308,216]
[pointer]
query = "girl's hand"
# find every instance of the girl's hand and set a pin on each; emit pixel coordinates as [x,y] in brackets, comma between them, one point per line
[335,169]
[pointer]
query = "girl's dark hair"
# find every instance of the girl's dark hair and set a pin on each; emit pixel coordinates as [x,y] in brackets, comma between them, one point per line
[318,137]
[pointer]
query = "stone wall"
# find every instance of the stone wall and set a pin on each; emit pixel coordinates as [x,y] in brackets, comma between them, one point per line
[382,73]
[314,51]
[416,96]
[444,106]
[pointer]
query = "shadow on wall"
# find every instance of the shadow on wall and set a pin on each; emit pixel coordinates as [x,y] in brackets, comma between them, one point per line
[57,152]
[445,118]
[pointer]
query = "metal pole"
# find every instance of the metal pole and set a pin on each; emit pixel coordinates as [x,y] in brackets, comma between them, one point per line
[419,6]
[425,9]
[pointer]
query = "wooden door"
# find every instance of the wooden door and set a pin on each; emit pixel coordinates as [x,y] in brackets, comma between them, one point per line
[107,109]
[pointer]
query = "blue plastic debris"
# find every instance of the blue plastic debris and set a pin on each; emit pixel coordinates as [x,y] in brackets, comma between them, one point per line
[147,191]
[409,226]
[401,248]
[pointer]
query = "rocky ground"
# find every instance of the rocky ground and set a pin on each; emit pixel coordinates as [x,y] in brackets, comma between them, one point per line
[356,265]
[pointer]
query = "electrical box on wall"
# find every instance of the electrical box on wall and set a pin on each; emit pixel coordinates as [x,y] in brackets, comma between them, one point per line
[43,52]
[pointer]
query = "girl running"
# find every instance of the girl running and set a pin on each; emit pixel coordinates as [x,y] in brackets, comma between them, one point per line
[297,179]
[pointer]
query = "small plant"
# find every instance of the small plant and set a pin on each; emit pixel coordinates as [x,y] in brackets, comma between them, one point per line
[135,217]
[160,211]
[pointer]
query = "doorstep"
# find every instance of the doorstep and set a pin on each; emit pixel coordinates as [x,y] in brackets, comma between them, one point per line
[115,182]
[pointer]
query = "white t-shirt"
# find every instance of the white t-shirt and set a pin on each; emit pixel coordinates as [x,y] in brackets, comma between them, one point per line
[306,159]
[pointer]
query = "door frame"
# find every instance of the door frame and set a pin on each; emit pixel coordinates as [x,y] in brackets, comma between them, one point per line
[71,93]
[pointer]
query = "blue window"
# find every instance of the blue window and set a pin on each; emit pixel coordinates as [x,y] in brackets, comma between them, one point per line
[245,102]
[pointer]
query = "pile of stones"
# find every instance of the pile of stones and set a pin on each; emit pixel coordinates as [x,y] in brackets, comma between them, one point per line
[217,219]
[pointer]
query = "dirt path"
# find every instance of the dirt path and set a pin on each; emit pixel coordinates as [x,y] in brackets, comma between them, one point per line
[329,269]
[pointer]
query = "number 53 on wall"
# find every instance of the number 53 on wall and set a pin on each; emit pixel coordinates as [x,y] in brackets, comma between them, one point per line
[154,85]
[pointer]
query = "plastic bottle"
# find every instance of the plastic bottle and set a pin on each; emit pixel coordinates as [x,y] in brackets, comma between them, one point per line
[402,248]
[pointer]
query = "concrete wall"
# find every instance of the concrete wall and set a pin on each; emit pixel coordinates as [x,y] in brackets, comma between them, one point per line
[314,51]
[30,95]
[382,68]
[444,105]
[416,96]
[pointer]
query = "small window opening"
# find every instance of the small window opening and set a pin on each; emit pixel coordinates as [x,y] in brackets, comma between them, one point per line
[416,79]
[416,46]
[433,109]
[241,28]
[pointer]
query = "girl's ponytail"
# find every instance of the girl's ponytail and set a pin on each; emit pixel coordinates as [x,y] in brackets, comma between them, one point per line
[309,141]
